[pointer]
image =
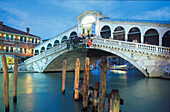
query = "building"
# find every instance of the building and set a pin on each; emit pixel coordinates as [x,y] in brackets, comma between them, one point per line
[94,23]
[16,42]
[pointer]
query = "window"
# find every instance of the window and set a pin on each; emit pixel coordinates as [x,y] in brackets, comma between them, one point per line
[12,37]
[35,41]
[11,49]
[25,50]
[20,50]
[32,41]
[25,39]
[7,37]
[21,39]
[83,31]
[7,49]
[32,51]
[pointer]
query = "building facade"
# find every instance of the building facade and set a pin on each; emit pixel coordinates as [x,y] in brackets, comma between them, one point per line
[16,42]
[93,23]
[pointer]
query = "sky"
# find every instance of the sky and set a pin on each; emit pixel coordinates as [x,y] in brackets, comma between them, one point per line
[48,18]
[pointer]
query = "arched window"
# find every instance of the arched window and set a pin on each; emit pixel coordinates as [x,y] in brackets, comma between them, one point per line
[134,35]
[73,34]
[119,33]
[105,32]
[56,42]
[151,37]
[42,49]
[64,39]
[166,39]
[49,46]
[36,52]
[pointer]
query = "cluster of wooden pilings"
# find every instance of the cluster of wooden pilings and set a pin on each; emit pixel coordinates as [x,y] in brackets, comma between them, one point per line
[94,95]
[6,82]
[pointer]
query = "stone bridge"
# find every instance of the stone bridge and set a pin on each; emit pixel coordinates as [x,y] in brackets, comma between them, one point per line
[151,60]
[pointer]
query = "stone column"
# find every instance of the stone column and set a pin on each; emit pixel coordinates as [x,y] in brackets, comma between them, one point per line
[97,26]
[160,38]
[79,28]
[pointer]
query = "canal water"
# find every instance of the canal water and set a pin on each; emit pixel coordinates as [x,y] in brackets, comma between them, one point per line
[41,92]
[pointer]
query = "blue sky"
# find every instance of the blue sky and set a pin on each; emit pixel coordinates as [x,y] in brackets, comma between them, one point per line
[48,18]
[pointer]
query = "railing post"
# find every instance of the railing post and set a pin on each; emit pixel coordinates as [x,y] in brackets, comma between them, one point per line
[103,78]
[76,80]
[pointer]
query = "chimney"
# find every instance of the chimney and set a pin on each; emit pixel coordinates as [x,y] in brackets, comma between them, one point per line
[1,25]
[28,31]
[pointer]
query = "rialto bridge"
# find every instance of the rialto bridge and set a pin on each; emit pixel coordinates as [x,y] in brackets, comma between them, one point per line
[145,44]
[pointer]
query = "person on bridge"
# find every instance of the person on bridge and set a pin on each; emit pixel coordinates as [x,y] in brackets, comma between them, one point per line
[89,42]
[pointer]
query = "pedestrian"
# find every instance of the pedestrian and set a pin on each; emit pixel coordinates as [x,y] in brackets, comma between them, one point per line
[166,72]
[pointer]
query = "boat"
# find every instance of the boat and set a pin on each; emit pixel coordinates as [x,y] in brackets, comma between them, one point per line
[118,67]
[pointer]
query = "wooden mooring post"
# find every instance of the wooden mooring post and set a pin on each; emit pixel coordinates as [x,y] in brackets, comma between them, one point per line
[86,83]
[15,79]
[6,83]
[115,101]
[96,96]
[63,76]
[102,89]
[76,81]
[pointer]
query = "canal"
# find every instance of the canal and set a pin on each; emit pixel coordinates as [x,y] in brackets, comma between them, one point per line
[41,92]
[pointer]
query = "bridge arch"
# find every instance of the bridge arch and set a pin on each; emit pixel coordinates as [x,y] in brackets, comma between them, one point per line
[49,46]
[105,32]
[36,52]
[64,39]
[134,34]
[73,34]
[166,39]
[42,49]
[119,33]
[56,42]
[151,37]
[93,57]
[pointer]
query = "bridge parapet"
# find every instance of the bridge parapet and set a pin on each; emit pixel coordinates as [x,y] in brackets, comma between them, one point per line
[133,47]
[46,53]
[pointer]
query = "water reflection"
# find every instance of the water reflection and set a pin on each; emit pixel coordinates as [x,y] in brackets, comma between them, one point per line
[42,92]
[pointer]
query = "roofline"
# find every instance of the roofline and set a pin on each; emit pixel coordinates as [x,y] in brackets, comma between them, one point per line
[56,36]
[90,11]
[19,34]
[126,20]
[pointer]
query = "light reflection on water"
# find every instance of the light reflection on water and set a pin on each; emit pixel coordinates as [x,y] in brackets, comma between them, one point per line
[42,92]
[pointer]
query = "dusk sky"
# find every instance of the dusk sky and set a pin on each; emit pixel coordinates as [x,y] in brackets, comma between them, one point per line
[48,18]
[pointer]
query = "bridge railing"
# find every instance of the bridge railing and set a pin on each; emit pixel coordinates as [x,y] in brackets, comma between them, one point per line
[47,52]
[132,45]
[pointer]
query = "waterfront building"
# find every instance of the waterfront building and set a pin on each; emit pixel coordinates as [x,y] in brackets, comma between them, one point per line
[16,42]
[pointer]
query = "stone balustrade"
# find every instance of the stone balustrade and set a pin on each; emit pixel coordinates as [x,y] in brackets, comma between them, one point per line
[145,48]
[47,53]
